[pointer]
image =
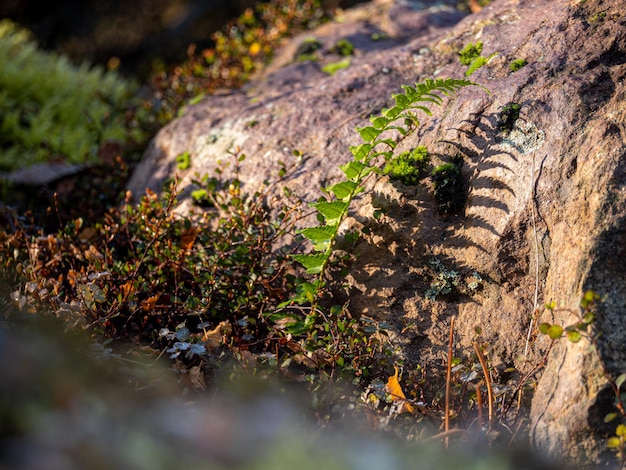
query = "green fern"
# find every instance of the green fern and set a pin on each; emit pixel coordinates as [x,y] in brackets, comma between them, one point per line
[378,144]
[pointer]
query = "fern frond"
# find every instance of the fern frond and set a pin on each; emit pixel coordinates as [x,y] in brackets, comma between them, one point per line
[400,119]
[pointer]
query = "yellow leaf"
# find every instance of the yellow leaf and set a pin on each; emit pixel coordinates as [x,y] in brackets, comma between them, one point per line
[255,48]
[395,390]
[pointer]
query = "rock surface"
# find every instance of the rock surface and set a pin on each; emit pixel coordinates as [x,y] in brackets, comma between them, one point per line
[545,199]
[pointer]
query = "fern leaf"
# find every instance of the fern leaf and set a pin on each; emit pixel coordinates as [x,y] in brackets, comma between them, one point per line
[392,113]
[402,119]
[355,170]
[313,263]
[332,211]
[343,190]
[360,152]
[320,236]
[368,133]
[379,122]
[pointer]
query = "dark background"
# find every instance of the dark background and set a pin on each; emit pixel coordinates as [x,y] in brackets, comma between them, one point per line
[138,32]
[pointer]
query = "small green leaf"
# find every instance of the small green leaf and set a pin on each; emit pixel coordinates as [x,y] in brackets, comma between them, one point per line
[551,305]
[610,417]
[410,92]
[613,442]
[555,331]
[390,142]
[343,190]
[392,113]
[620,380]
[621,430]
[573,335]
[332,211]
[401,100]
[589,318]
[319,234]
[355,171]
[313,263]
[589,297]
[321,237]
[544,327]
[361,152]
[368,133]
[305,293]
[379,122]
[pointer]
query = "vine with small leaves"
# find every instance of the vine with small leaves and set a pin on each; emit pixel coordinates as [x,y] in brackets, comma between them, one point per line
[575,332]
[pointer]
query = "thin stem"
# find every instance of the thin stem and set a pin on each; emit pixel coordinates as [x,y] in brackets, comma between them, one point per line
[448,379]
[532,214]
[483,364]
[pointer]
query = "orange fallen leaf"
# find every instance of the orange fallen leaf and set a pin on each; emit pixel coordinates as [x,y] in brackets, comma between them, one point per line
[126,288]
[188,238]
[150,303]
[395,390]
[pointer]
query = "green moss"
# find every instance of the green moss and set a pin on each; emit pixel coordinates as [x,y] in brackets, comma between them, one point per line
[449,192]
[471,56]
[343,47]
[509,114]
[51,109]
[408,167]
[470,52]
[333,68]
[517,64]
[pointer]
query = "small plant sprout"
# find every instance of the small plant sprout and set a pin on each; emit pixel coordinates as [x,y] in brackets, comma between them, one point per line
[183,161]
[471,56]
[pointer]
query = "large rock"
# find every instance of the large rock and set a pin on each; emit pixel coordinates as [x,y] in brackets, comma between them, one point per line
[543,218]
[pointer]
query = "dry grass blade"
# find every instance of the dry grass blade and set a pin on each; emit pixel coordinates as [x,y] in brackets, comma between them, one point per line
[483,364]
